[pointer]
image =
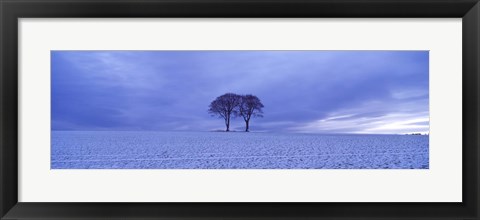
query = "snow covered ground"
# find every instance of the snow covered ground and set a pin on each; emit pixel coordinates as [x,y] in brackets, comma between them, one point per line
[235,150]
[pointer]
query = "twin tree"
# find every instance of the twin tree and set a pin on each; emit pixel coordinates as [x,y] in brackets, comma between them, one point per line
[245,106]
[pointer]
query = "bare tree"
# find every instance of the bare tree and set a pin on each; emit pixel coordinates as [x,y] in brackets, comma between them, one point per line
[223,107]
[250,106]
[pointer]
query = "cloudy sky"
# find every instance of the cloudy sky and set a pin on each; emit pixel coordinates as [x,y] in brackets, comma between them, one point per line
[383,92]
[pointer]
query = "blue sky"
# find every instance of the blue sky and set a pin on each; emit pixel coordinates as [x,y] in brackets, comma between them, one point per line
[378,92]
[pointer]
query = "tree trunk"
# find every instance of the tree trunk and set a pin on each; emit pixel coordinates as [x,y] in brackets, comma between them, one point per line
[227,123]
[246,126]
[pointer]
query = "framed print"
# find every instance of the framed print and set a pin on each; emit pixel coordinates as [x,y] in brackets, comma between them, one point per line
[223,109]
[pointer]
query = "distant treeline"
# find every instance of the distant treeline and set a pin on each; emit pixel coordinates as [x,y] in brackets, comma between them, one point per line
[231,104]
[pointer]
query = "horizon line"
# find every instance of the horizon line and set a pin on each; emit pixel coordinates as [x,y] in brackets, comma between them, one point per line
[241,131]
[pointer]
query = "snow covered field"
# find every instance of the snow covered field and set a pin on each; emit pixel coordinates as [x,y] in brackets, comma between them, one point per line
[235,150]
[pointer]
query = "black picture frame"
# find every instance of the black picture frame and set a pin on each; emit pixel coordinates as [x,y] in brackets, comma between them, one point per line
[12,10]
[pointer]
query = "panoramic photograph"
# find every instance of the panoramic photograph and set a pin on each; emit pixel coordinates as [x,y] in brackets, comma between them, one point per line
[239,109]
